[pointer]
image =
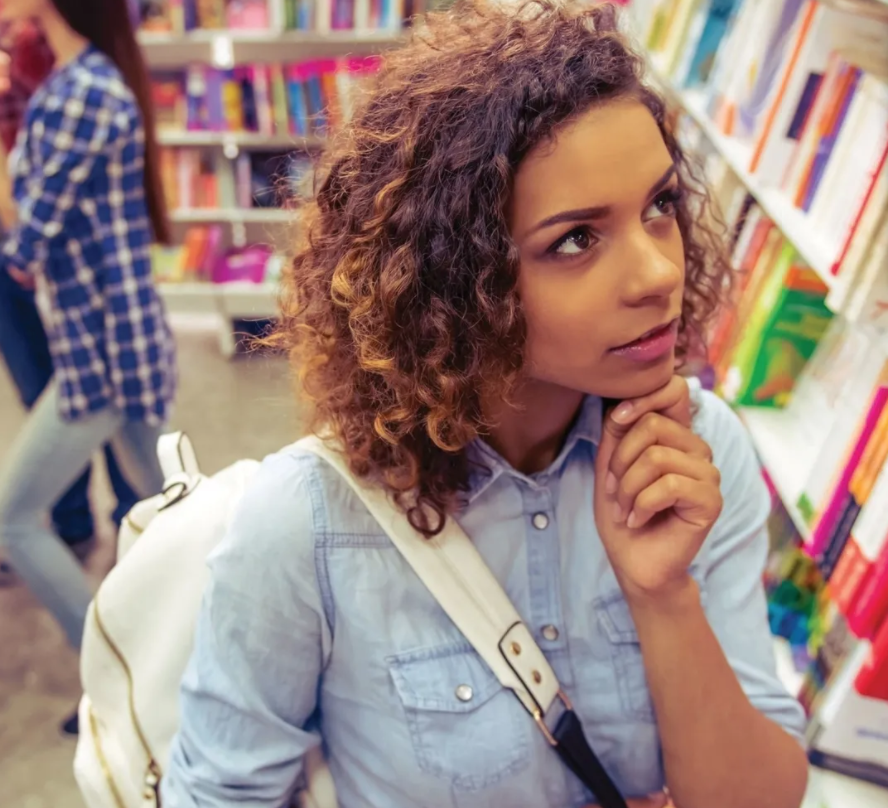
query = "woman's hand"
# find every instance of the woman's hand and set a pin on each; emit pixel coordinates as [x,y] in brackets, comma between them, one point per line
[656,491]
[654,801]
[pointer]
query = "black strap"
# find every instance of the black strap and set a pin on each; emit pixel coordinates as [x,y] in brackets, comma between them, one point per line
[574,750]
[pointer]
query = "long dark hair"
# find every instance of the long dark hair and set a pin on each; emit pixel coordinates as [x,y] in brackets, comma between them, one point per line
[107,24]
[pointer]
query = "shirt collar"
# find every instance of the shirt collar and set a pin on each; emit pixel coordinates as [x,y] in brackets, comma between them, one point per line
[488,465]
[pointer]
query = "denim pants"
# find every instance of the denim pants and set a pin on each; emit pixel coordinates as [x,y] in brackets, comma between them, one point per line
[48,454]
[25,349]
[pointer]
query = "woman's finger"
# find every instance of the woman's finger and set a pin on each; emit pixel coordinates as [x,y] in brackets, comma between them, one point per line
[672,400]
[654,430]
[695,501]
[656,462]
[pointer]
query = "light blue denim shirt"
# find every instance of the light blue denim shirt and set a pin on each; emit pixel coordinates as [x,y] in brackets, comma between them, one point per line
[314,625]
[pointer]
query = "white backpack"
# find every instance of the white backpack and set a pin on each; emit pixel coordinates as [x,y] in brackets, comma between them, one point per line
[140,631]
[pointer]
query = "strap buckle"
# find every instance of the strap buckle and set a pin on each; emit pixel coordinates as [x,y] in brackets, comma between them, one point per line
[540,718]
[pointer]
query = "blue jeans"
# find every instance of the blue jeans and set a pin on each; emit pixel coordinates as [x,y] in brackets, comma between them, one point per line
[25,349]
[47,455]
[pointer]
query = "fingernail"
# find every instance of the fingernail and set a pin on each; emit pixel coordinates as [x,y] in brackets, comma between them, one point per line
[658,800]
[632,521]
[623,412]
[617,512]
[610,483]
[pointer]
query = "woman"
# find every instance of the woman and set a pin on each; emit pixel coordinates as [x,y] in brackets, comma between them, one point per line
[81,209]
[23,344]
[501,275]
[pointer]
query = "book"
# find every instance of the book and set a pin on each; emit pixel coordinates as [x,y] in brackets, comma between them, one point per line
[821,29]
[780,334]
[868,538]
[862,401]
[700,62]
[850,501]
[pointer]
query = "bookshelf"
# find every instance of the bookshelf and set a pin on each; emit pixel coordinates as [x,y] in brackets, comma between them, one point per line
[224,48]
[789,219]
[258,216]
[254,141]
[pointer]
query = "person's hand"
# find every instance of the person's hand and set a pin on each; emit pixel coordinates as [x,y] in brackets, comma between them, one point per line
[23,279]
[654,801]
[656,490]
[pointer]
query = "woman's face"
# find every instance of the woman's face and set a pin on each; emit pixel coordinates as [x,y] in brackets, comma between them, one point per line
[18,10]
[602,260]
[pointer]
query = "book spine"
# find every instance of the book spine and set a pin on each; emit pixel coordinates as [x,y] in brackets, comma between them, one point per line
[832,513]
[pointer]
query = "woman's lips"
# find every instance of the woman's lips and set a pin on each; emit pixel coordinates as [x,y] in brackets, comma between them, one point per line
[653,345]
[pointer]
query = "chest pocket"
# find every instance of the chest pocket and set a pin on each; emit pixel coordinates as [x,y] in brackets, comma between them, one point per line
[616,623]
[464,726]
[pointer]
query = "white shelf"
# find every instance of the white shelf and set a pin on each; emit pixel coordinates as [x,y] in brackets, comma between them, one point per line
[783,455]
[230,300]
[246,140]
[829,790]
[225,47]
[232,215]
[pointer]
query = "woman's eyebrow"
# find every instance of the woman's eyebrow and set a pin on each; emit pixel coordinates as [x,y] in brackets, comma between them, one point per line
[599,212]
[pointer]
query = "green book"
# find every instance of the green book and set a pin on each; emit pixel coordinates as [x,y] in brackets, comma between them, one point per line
[783,329]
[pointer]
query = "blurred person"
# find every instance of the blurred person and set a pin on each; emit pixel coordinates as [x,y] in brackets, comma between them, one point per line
[81,207]
[506,264]
[23,343]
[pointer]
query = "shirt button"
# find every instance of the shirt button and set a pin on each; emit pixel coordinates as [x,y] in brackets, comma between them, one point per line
[465,693]
[540,521]
[550,633]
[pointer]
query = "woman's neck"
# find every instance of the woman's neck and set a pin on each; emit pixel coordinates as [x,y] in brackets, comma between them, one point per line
[530,432]
[65,43]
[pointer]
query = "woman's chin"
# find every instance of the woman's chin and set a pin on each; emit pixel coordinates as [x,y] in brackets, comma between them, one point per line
[635,381]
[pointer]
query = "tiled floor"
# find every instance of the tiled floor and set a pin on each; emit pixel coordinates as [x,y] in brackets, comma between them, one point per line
[242,408]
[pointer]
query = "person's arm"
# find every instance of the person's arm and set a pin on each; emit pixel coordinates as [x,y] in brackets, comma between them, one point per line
[73,137]
[722,713]
[252,682]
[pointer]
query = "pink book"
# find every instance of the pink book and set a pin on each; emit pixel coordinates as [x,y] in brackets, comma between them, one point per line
[833,510]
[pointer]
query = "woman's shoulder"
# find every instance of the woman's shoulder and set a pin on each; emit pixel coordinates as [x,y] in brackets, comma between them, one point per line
[92,82]
[294,500]
[715,421]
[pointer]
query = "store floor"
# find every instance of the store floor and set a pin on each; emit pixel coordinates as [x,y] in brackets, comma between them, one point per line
[231,409]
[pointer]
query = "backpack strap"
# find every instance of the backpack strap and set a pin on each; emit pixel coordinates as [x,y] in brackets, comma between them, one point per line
[454,572]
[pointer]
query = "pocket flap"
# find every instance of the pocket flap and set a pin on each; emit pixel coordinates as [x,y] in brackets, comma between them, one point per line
[450,679]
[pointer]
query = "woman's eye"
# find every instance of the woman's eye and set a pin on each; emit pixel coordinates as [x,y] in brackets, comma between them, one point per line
[664,204]
[575,242]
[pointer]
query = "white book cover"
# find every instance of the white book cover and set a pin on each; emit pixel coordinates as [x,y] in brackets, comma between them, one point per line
[868,302]
[829,29]
[362,15]
[871,528]
[843,188]
[861,374]
[816,399]
[736,40]
[865,227]
[323,16]
[276,15]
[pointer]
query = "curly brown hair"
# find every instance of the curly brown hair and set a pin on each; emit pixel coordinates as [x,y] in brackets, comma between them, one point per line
[400,307]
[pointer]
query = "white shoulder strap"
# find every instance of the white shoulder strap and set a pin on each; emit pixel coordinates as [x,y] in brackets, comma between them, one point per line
[455,573]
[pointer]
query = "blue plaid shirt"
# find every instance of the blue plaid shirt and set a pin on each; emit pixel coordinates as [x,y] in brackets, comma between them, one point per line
[84,233]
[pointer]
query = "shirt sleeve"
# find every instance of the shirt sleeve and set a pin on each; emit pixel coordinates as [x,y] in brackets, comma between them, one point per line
[63,147]
[251,685]
[737,553]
